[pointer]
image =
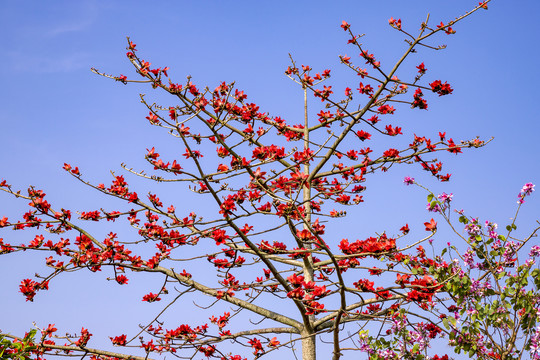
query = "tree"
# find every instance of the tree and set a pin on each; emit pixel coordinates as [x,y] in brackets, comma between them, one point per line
[494,285]
[268,178]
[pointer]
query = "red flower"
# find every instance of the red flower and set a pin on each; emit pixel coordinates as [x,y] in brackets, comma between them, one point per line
[150,297]
[152,154]
[222,168]
[453,148]
[219,236]
[50,329]
[364,285]
[152,118]
[393,131]
[431,225]
[208,351]
[445,177]
[90,215]
[386,109]
[296,280]
[297,293]
[395,23]
[374,119]
[440,88]
[448,30]
[403,279]
[133,197]
[4,221]
[382,294]
[83,340]
[265,208]
[273,342]
[345,25]
[405,229]
[343,199]
[121,279]
[391,153]
[363,135]
[256,345]
[367,89]
[119,340]
[418,101]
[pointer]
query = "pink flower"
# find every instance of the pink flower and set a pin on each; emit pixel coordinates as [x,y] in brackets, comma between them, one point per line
[408,180]
[526,190]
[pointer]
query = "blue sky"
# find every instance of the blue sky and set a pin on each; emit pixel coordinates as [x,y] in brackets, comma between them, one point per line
[55,110]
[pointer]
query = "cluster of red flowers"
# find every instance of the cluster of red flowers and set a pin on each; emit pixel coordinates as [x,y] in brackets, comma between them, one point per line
[370,246]
[442,89]
[423,289]
[419,102]
[307,292]
[29,288]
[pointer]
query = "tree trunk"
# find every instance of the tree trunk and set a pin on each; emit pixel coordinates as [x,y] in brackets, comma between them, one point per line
[308,339]
[308,346]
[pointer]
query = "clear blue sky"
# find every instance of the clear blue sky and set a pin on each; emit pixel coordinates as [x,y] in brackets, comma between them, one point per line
[54,110]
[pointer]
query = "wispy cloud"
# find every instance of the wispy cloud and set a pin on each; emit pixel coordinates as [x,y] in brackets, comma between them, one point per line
[41,47]
[23,62]
[83,18]
[69,27]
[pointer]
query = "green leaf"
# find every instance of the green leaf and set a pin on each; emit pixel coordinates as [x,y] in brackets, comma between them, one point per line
[29,336]
[429,198]
[445,323]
